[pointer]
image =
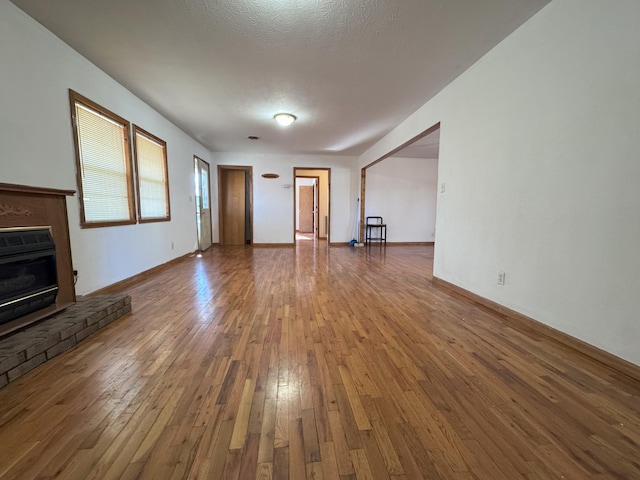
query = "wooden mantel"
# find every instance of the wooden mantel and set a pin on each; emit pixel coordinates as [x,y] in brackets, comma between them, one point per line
[10,187]
[25,206]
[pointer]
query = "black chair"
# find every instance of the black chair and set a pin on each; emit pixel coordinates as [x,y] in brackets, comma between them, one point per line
[375,230]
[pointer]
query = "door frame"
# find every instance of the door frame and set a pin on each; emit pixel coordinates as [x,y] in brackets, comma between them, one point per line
[363,171]
[316,213]
[249,195]
[300,172]
[197,159]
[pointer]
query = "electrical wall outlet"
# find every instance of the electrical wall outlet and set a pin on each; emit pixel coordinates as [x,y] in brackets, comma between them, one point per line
[501,278]
[443,187]
[172,245]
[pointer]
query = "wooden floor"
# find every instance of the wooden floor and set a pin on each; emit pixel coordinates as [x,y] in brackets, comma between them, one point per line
[316,363]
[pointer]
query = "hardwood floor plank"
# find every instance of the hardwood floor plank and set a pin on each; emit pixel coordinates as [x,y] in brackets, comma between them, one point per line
[329,462]
[16,457]
[310,437]
[241,426]
[281,437]
[281,463]
[249,460]
[348,425]
[359,414]
[267,432]
[264,471]
[297,464]
[361,465]
[320,411]
[382,438]
[343,458]
[159,424]
[314,471]
[375,459]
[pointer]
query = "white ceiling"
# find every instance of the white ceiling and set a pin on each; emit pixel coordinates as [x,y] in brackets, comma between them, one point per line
[350,70]
[426,147]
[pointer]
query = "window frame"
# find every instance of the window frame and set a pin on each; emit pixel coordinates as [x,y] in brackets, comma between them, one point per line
[142,132]
[76,98]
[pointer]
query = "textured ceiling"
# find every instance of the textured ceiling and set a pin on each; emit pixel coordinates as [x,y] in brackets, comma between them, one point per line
[426,147]
[350,70]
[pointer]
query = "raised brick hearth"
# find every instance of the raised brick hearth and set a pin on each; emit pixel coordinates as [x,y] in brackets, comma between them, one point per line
[25,350]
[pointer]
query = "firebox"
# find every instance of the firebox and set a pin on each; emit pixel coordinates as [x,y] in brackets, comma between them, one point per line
[28,280]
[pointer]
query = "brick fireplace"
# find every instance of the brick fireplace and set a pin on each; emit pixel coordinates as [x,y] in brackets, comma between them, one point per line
[40,316]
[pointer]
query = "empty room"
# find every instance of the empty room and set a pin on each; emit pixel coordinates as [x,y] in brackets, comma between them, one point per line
[302,239]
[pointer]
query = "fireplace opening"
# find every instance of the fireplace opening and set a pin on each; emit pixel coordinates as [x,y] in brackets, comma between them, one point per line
[28,280]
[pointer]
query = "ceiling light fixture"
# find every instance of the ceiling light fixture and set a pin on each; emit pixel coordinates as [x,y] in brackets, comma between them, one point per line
[284,119]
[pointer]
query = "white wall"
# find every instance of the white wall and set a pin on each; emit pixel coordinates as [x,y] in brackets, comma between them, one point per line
[539,152]
[403,191]
[36,71]
[273,208]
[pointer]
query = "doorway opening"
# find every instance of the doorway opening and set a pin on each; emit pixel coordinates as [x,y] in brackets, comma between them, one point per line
[311,201]
[402,187]
[235,200]
[203,203]
[307,205]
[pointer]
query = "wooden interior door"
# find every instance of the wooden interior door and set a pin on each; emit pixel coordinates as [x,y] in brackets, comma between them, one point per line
[306,209]
[233,206]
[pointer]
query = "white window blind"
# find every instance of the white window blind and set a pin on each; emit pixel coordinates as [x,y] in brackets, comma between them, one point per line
[104,167]
[151,162]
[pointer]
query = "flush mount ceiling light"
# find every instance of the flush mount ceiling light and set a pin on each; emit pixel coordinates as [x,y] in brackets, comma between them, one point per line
[284,119]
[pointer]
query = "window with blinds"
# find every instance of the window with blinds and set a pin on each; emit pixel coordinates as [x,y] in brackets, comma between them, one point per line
[152,177]
[105,179]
